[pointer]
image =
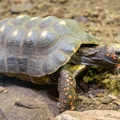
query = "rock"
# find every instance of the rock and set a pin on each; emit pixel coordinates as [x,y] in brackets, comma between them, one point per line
[61,1]
[1,89]
[105,100]
[21,5]
[67,117]
[89,115]
[26,108]
[23,103]
[113,97]
[99,95]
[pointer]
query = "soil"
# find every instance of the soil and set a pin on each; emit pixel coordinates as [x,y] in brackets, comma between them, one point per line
[101,18]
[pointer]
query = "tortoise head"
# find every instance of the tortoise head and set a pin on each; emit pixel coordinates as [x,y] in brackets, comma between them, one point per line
[112,53]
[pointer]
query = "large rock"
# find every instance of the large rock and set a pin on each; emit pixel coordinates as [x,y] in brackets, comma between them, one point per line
[90,115]
[19,102]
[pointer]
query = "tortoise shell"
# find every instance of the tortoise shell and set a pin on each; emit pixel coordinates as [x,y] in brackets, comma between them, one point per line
[39,46]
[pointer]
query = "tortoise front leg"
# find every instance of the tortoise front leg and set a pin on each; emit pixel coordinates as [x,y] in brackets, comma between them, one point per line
[68,97]
[66,88]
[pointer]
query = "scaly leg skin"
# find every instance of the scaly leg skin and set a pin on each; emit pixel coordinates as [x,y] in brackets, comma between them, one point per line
[67,93]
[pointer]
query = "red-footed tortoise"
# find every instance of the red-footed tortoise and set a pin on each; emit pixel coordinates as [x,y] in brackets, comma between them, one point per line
[51,50]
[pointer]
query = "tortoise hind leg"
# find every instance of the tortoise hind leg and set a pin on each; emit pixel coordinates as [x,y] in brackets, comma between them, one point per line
[67,93]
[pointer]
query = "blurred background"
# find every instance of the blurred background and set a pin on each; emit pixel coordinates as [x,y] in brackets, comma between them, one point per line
[100,17]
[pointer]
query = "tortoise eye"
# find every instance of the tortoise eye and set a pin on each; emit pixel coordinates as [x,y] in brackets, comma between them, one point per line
[117,52]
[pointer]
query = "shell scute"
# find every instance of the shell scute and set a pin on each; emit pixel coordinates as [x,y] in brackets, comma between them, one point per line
[33,22]
[53,61]
[70,48]
[47,21]
[48,66]
[4,30]
[35,67]
[71,44]
[91,39]
[29,42]
[61,27]
[60,58]
[46,39]
[20,20]
[12,64]
[23,65]
[14,39]
[4,21]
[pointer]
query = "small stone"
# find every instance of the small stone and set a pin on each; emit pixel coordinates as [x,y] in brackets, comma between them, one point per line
[112,97]
[81,18]
[5,91]
[63,1]
[21,5]
[90,95]
[53,1]
[105,101]
[99,95]
[1,89]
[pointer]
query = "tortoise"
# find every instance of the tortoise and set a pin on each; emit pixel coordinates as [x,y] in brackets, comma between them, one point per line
[52,50]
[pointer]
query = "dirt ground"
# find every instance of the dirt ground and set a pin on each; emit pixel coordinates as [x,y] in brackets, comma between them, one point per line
[99,17]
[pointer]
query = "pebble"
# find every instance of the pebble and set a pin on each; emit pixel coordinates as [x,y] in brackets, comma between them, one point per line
[61,1]
[21,6]
[100,95]
[1,89]
[113,97]
[105,100]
